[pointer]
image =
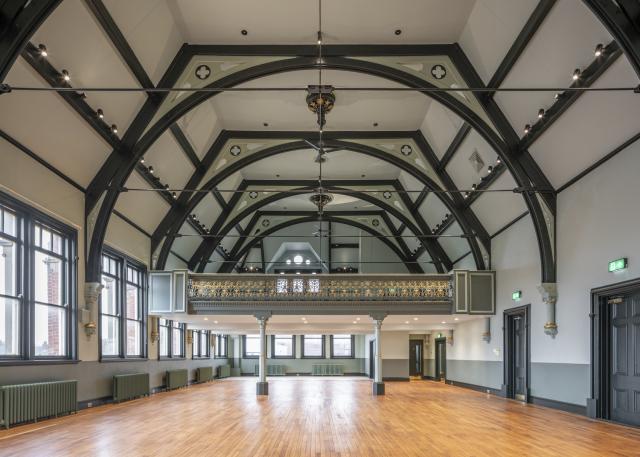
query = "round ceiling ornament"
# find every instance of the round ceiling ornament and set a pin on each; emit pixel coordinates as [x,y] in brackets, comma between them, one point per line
[235,150]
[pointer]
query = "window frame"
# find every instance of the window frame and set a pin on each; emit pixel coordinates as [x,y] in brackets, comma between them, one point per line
[244,348]
[170,327]
[218,352]
[273,347]
[353,348]
[27,218]
[124,262]
[324,348]
[196,336]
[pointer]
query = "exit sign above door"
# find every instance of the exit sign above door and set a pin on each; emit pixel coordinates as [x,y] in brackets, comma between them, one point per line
[618,264]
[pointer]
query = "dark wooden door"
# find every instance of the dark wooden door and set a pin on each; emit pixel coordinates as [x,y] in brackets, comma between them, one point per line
[372,359]
[625,360]
[441,360]
[415,357]
[520,358]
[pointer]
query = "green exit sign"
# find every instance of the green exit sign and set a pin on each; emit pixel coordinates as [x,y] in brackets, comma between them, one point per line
[619,264]
[517,295]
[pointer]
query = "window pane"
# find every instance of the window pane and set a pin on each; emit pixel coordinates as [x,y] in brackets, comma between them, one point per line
[314,285]
[48,279]
[109,293]
[9,326]
[132,310]
[176,340]
[204,344]
[195,341]
[313,345]
[252,345]
[298,285]
[110,335]
[49,332]
[283,346]
[342,346]
[9,223]
[8,273]
[57,244]
[134,338]
[281,285]
[164,341]
[46,240]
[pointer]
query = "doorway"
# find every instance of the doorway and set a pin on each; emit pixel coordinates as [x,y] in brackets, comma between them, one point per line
[415,358]
[441,359]
[372,359]
[615,353]
[517,350]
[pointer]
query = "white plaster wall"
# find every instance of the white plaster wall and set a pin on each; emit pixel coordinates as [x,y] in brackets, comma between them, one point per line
[395,345]
[468,343]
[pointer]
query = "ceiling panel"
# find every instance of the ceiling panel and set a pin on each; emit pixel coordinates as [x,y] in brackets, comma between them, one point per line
[585,132]
[292,21]
[353,110]
[76,42]
[208,210]
[140,26]
[186,245]
[201,126]
[439,127]
[460,168]
[565,41]
[453,246]
[229,184]
[492,28]
[497,209]
[411,185]
[433,210]
[169,162]
[144,208]
[50,128]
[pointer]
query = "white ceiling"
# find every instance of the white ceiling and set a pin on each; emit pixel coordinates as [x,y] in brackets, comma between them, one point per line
[485,29]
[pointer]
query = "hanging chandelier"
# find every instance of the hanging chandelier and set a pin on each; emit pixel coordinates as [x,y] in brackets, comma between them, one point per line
[320,100]
[320,199]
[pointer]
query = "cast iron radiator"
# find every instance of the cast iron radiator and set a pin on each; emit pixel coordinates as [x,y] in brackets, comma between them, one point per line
[224,371]
[204,374]
[272,370]
[327,370]
[176,379]
[30,402]
[129,386]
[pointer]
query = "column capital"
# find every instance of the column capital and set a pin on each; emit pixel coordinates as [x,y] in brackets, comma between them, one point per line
[378,317]
[263,317]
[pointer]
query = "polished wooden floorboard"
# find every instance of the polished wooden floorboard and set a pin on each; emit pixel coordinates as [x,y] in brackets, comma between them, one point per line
[335,417]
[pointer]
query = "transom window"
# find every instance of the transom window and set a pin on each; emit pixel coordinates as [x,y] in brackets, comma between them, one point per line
[251,346]
[122,307]
[313,346]
[283,346]
[342,346]
[37,284]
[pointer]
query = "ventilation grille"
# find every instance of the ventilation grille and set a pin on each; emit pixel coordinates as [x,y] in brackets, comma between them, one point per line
[476,161]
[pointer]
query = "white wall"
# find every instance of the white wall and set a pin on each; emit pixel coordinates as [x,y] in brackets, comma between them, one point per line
[395,345]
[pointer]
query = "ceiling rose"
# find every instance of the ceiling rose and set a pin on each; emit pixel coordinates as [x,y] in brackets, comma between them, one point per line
[320,100]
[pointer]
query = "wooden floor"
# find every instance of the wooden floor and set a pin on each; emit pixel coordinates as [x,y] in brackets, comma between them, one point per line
[321,417]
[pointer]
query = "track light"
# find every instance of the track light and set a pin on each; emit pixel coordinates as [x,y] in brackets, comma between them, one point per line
[527,129]
[319,37]
[599,50]
[466,195]
[151,170]
[174,195]
[100,114]
[498,161]
[114,128]
[576,74]
[489,169]
[540,113]
[474,186]
[142,160]
[556,96]
[166,186]
[65,75]
[43,50]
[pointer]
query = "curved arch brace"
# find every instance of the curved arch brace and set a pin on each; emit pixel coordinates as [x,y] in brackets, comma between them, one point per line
[327,218]
[208,245]
[120,163]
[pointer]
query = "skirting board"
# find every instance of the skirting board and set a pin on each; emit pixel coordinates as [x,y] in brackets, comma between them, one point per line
[545,402]
[391,379]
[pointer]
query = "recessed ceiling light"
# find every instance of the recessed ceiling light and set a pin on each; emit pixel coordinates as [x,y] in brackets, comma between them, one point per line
[455,319]
[244,32]
[313,272]
[415,318]
[297,272]
[215,322]
[288,261]
[363,176]
[308,262]
[357,318]
[277,176]
[266,124]
[398,32]
[297,259]
[444,322]
[206,318]
[306,322]
[375,124]
[355,322]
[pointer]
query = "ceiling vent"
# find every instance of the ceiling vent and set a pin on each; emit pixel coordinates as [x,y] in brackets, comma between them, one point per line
[476,161]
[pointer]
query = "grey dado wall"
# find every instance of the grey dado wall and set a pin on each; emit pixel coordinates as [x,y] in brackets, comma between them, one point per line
[565,382]
[304,366]
[483,373]
[395,369]
[95,379]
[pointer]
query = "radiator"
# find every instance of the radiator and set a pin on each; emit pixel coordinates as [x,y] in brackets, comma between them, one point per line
[327,370]
[224,371]
[177,378]
[128,386]
[204,374]
[272,370]
[30,402]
